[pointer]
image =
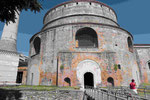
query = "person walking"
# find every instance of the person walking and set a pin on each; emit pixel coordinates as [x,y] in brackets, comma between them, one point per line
[133,86]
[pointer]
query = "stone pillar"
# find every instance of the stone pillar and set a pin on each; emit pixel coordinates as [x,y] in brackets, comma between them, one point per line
[9,58]
[9,36]
[8,67]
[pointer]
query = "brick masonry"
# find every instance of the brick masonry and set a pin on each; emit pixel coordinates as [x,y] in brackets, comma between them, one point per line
[58,47]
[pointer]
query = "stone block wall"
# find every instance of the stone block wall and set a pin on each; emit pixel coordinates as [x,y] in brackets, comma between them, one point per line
[143,54]
[27,94]
[62,39]
[8,45]
[73,8]
[9,67]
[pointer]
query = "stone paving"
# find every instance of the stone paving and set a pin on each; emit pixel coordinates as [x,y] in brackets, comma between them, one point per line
[41,95]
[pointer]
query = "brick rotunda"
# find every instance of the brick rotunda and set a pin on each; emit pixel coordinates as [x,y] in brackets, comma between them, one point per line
[81,44]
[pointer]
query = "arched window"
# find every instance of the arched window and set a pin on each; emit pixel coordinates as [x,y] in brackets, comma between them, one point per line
[149,65]
[86,38]
[37,44]
[67,80]
[111,81]
[130,45]
[119,66]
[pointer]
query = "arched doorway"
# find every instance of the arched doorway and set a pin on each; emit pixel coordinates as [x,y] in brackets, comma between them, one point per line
[88,80]
[110,80]
[88,66]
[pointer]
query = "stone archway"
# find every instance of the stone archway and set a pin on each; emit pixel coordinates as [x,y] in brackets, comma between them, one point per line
[88,80]
[88,66]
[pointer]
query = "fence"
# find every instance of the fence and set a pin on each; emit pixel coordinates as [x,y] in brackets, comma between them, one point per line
[110,94]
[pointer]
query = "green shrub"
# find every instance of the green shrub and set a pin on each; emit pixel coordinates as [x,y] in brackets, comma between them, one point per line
[76,87]
[115,67]
[61,67]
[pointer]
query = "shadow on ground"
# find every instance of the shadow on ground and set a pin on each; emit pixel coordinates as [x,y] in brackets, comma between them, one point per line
[6,94]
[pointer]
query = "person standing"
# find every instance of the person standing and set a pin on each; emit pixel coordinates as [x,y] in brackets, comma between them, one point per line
[133,86]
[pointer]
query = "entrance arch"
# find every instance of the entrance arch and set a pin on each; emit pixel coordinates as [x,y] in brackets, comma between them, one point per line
[84,69]
[88,79]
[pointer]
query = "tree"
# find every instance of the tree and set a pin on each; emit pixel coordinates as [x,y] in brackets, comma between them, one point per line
[8,8]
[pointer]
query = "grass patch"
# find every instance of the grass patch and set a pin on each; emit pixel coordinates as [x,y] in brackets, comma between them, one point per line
[38,88]
[145,84]
[144,88]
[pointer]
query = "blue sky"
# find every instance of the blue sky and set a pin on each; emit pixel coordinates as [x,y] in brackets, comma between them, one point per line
[133,15]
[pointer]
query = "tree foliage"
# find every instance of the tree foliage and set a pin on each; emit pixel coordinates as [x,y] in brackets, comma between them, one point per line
[9,7]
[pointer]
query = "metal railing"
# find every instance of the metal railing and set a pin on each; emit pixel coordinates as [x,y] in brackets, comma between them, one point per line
[144,92]
[91,93]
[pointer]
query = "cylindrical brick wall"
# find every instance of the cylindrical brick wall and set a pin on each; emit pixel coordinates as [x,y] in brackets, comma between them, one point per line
[62,58]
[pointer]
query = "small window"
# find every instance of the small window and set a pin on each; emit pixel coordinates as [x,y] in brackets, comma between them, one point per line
[149,65]
[110,80]
[67,80]
[130,45]
[119,66]
[32,76]
[50,81]
[37,44]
